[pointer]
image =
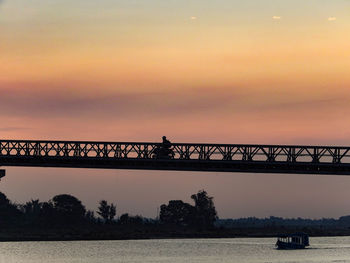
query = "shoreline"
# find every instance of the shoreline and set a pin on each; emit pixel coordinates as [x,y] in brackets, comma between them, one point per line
[106,237]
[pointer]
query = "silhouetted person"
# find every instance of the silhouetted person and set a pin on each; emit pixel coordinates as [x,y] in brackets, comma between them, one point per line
[163,150]
[166,144]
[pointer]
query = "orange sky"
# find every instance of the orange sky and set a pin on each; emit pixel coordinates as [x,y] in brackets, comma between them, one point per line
[231,72]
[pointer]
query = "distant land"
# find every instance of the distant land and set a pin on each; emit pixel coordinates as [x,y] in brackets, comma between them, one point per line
[64,217]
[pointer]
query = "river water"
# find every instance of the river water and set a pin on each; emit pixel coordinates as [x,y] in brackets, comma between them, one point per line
[240,250]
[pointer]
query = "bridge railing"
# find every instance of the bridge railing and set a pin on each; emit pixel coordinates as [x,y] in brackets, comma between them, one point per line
[182,151]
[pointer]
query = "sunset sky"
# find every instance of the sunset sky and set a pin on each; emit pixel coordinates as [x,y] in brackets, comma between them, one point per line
[226,71]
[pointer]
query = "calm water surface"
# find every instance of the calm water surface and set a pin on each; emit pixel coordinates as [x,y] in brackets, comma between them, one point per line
[240,250]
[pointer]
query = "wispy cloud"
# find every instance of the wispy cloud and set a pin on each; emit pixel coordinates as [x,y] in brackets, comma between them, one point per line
[276,17]
[302,105]
[7,129]
[332,18]
[51,104]
[59,103]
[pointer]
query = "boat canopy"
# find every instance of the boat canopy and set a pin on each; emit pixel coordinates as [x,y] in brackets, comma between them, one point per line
[295,238]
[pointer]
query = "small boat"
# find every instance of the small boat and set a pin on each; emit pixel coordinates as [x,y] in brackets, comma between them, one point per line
[292,241]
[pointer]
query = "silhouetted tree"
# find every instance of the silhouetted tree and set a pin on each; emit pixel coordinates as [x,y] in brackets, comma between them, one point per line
[125,219]
[136,220]
[106,211]
[3,199]
[177,212]
[47,214]
[68,209]
[206,213]
[32,211]
[9,213]
[32,207]
[90,216]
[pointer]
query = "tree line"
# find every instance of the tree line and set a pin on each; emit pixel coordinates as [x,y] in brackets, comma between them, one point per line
[272,221]
[67,210]
[64,217]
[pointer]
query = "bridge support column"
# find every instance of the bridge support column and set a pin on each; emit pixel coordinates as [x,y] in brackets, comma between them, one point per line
[316,156]
[336,156]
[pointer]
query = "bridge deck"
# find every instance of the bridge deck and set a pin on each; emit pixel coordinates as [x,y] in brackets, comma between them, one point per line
[187,157]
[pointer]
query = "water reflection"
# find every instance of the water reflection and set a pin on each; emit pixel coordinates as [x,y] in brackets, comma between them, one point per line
[248,250]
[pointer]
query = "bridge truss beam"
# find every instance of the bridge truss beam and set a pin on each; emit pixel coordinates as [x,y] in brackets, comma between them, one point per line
[188,157]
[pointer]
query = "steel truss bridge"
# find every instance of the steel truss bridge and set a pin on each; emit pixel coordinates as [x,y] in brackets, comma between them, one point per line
[187,156]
